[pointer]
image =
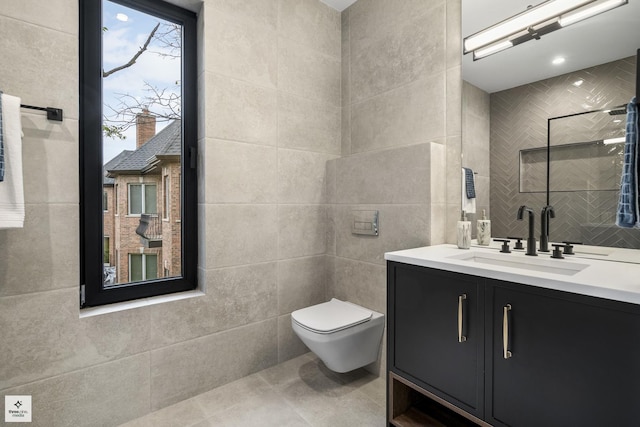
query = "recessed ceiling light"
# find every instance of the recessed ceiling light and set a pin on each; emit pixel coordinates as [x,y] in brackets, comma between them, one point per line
[578,83]
[122,17]
[559,60]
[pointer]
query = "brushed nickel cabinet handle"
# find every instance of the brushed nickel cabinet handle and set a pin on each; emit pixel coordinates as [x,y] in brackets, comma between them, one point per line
[505,331]
[461,298]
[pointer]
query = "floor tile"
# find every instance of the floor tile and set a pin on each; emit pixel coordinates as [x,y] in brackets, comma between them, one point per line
[301,392]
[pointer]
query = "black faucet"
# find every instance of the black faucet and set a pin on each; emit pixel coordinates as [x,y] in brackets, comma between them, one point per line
[531,240]
[546,214]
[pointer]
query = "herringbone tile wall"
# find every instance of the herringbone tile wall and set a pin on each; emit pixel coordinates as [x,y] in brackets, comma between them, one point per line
[586,179]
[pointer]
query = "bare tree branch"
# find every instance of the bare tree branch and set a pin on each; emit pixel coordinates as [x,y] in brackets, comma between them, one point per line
[164,104]
[135,57]
[170,37]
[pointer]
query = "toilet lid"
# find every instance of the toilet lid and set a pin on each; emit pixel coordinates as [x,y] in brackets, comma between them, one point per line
[331,316]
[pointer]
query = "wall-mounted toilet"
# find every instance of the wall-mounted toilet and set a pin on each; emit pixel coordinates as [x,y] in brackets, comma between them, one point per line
[345,336]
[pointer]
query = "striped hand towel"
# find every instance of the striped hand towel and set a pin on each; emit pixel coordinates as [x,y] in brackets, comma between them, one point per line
[627,213]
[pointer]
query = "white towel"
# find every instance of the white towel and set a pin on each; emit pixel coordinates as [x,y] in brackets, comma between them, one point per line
[468,205]
[11,189]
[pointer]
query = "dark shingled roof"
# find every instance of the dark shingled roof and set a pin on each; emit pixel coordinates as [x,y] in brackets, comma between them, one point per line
[112,164]
[166,142]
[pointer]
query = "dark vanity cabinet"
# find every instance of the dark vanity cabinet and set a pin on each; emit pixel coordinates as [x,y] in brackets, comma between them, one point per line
[572,360]
[438,333]
[508,354]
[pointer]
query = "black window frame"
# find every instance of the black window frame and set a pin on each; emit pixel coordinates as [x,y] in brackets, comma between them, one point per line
[92,292]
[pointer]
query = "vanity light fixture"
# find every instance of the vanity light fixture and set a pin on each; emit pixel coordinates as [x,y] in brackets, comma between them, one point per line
[533,23]
[592,10]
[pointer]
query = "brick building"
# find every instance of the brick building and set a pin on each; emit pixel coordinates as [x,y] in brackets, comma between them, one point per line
[142,226]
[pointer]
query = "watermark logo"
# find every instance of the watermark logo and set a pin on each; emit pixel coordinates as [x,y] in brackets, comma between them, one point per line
[17,409]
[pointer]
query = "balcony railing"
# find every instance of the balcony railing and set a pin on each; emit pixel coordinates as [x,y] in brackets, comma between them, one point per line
[150,230]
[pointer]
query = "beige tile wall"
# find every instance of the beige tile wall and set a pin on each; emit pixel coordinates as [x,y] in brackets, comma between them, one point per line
[401,139]
[475,145]
[277,110]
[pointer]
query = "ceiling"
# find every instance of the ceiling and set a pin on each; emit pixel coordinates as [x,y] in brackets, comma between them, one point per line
[603,38]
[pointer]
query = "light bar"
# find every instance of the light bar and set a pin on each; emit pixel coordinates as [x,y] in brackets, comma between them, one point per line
[531,17]
[572,18]
[490,50]
[533,23]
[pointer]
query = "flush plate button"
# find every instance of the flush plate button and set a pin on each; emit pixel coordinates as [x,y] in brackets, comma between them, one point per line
[365,222]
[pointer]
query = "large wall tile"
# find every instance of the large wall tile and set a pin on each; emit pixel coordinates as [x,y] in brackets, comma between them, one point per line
[330,180]
[401,227]
[202,105]
[438,223]
[362,283]
[399,175]
[240,173]
[39,65]
[238,48]
[240,234]
[415,50]
[346,131]
[454,33]
[311,23]
[371,20]
[302,176]
[454,101]
[302,230]
[454,170]
[308,74]
[46,146]
[302,282]
[103,395]
[240,112]
[60,15]
[331,230]
[408,115]
[184,370]
[308,124]
[289,345]
[437,172]
[259,11]
[48,243]
[346,60]
[234,296]
[47,338]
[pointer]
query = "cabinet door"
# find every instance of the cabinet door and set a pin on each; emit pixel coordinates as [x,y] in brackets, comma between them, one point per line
[575,360]
[426,342]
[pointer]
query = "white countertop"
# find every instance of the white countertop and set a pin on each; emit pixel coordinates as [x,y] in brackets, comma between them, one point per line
[597,271]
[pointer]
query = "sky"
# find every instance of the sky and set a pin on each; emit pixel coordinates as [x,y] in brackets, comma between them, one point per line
[120,42]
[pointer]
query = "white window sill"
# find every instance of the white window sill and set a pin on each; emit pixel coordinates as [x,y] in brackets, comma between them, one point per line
[144,302]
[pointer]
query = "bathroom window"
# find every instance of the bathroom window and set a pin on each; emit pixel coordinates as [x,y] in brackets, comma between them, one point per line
[138,127]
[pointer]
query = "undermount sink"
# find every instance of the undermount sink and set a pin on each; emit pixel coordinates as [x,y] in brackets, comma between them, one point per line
[529,263]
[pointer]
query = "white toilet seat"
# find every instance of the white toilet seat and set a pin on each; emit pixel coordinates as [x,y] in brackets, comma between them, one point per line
[330,317]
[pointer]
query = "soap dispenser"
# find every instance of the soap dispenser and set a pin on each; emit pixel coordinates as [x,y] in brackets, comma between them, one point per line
[484,230]
[464,232]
